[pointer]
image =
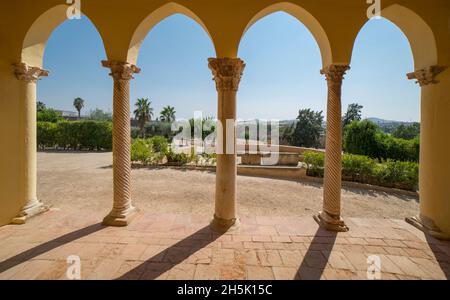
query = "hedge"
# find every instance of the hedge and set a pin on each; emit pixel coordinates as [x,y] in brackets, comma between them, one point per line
[366,138]
[362,169]
[76,135]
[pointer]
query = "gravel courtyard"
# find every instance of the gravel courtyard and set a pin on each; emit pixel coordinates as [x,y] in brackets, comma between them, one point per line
[83,182]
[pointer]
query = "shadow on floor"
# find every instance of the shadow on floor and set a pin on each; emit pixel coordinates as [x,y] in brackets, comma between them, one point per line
[172,256]
[48,246]
[442,257]
[317,255]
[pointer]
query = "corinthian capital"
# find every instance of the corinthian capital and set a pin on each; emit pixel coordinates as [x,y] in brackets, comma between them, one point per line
[426,76]
[335,73]
[227,72]
[121,70]
[27,73]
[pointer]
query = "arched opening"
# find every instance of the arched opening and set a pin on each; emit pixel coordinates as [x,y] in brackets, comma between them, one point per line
[385,51]
[173,51]
[305,18]
[152,20]
[72,50]
[282,78]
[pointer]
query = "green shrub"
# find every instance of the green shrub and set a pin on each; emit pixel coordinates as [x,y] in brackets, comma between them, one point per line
[361,137]
[366,138]
[91,135]
[47,134]
[315,162]
[397,174]
[160,144]
[141,151]
[357,167]
[48,115]
[178,158]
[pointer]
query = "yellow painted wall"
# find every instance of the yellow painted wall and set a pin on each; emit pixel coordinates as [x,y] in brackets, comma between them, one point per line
[25,26]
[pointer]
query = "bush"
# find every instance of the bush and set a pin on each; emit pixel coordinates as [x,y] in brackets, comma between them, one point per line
[366,138]
[149,151]
[91,135]
[358,168]
[361,137]
[315,163]
[47,134]
[160,144]
[141,151]
[178,158]
[397,174]
[48,115]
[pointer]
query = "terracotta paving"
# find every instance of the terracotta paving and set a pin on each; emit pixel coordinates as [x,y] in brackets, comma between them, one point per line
[174,246]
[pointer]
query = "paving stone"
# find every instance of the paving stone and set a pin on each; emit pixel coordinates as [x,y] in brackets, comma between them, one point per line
[285,273]
[259,273]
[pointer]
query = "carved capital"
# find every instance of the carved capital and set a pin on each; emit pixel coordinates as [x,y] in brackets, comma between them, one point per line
[227,72]
[335,73]
[426,76]
[121,70]
[27,73]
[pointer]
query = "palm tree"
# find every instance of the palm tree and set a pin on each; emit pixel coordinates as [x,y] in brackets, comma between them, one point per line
[168,114]
[40,106]
[78,103]
[143,113]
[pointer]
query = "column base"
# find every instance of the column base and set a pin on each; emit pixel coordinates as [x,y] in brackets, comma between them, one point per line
[29,211]
[427,226]
[223,225]
[331,223]
[121,219]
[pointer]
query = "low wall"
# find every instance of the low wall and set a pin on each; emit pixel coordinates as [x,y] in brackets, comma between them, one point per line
[293,173]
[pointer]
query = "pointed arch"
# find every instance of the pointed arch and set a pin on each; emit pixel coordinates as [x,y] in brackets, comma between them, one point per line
[152,20]
[36,38]
[417,31]
[304,17]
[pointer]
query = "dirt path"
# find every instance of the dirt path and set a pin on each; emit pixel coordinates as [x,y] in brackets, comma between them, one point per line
[83,181]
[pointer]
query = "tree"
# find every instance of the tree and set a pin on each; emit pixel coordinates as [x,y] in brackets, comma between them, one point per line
[362,137]
[143,113]
[49,115]
[168,114]
[353,114]
[40,106]
[308,128]
[99,115]
[78,103]
[407,132]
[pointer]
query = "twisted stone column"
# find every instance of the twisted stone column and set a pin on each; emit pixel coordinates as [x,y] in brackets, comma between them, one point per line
[330,217]
[227,74]
[28,77]
[434,161]
[123,210]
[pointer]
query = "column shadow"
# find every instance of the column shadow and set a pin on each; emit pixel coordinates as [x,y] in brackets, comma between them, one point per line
[442,257]
[172,256]
[317,255]
[48,246]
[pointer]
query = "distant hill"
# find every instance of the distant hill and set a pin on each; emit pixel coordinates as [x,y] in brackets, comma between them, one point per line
[382,122]
[389,126]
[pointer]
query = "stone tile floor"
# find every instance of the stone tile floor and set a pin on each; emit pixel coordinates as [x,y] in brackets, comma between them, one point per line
[174,246]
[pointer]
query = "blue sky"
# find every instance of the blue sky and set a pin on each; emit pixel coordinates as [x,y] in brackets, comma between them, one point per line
[282,74]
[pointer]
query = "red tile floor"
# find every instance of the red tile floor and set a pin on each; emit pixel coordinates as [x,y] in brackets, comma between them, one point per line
[174,246]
